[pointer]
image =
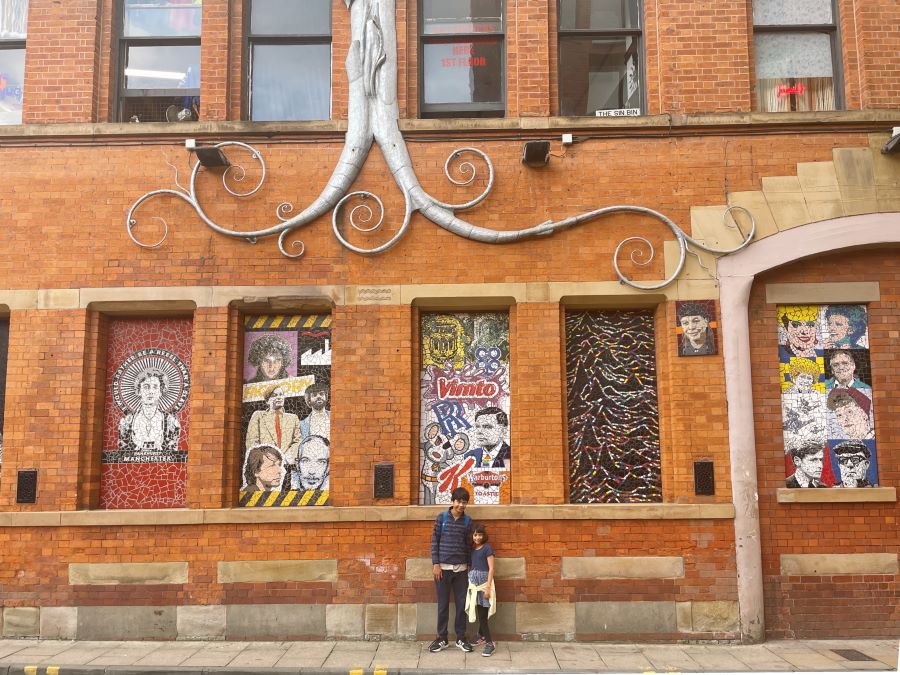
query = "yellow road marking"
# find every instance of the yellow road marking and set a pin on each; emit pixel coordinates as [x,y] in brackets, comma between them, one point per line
[30,670]
[52,670]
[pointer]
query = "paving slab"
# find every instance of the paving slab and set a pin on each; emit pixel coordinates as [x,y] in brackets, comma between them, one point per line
[172,654]
[757,657]
[38,649]
[810,660]
[627,662]
[8,647]
[260,655]
[715,659]
[669,658]
[449,659]
[534,655]
[306,654]
[124,654]
[394,655]
[351,655]
[216,654]
[573,655]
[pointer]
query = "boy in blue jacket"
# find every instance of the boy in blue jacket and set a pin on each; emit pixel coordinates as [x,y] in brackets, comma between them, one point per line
[451,542]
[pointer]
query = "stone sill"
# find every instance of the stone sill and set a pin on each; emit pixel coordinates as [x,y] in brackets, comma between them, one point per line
[326,514]
[836,495]
[335,129]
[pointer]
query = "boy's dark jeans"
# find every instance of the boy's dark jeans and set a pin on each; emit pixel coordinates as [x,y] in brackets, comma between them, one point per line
[456,583]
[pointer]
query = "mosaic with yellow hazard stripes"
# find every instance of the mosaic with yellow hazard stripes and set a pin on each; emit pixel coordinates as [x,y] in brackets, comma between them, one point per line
[287,498]
[286,419]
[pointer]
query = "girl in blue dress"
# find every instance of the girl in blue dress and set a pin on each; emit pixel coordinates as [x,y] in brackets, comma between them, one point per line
[481,602]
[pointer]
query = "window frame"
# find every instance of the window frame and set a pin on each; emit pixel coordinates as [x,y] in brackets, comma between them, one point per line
[637,34]
[461,110]
[124,43]
[833,30]
[16,44]
[250,40]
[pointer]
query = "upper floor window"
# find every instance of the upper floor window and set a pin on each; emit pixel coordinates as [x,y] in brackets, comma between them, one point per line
[796,55]
[13,29]
[289,60]
[462,55]
[600,57]
[159,61]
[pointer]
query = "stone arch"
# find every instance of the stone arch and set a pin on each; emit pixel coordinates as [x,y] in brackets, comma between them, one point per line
[736,274]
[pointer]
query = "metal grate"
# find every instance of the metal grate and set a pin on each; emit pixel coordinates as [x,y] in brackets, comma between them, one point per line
[704,478]
[852,655]
[26,487]
[384,481]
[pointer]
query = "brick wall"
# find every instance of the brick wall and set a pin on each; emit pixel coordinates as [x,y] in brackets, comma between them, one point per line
[840,605]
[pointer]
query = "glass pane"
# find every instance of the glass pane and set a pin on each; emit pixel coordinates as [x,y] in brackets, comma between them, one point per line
[160,109]
[13,19]
[160,18]
[284,17]
[462,16]
[599,75]
[12,74]
[170,67]
[291,82]
[794,72]
[781,13]
[464,72]
[599,14]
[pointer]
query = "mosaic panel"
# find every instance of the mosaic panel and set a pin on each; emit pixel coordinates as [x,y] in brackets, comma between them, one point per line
[145,425]
[828,419]
[696,327]
[465,407]
[4,352]
[613,415]
[286,423]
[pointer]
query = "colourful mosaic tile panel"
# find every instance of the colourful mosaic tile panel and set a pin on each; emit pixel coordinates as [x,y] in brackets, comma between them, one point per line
[613,415]
[144,460]
[286,424]
[465,407]
[828,417]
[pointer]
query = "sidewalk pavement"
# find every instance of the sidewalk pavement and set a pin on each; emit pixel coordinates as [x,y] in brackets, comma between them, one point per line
[66,657]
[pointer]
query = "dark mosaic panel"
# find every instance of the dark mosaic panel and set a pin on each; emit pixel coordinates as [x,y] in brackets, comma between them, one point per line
[612,407]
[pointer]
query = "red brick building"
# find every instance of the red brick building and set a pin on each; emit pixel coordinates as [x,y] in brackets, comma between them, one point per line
[209,438]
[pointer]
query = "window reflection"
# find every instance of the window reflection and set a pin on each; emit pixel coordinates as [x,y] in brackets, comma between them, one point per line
[291,82]
[12,75]
[162,18]
[462,72]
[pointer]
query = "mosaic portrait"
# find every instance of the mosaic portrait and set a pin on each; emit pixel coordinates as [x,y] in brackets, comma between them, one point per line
[144,459]
[828,417]
[464,432]
[696,327]
[613,415]
[286,421]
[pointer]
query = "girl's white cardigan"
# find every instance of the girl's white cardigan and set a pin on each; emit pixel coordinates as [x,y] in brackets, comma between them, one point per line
[472,598]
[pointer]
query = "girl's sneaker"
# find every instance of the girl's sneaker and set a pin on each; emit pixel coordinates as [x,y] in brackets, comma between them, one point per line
[488,649]
[479,640]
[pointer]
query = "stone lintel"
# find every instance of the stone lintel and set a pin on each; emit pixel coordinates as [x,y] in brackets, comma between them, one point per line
[420,569]
[850,292]
[837,495]
[329,514]
[137,574]
[264,571]
[838,564]
[623,567]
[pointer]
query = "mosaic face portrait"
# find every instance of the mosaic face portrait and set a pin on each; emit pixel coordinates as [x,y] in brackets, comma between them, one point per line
[696,328]
[287,385]
[826,394]
[465,407]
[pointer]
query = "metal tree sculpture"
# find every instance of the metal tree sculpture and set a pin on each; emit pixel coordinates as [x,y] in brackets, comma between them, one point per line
[373,116]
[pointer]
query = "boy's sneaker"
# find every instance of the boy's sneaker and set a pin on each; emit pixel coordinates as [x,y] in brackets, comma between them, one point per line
[465,646]
[488,649]
[479,640]
[438,645]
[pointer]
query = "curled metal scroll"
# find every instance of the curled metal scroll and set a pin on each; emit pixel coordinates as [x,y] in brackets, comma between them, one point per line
[373,117]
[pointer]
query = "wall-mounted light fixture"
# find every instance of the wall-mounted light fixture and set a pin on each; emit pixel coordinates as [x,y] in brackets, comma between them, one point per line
[209,157]
[892,145]
[536,153]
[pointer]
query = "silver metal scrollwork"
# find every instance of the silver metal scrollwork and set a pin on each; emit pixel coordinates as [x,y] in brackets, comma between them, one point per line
[373,117]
